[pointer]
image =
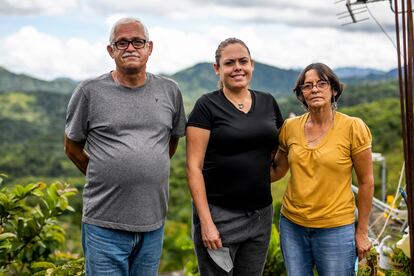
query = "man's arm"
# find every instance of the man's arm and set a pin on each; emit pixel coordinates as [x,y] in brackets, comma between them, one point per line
[173,145]
[75,151]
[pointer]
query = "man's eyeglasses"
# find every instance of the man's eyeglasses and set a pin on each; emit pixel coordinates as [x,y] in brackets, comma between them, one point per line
[136,43]
[321,85]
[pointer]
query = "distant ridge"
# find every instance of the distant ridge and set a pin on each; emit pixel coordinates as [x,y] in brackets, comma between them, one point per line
[20,82]
[350,72]
[201,78]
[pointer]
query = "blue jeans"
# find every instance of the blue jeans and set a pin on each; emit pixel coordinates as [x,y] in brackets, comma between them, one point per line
[331,250]
[121,253]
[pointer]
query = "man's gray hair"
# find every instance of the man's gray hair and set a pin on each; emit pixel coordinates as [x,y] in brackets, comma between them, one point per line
[126,20]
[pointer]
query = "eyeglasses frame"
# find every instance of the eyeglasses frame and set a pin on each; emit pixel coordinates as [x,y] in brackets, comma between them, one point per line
[314,85]
[115,43]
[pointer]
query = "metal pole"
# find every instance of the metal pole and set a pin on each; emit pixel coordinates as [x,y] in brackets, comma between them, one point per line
[406,100]
[409,161]
[383,180]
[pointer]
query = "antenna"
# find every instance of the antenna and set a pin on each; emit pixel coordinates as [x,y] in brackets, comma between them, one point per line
[356,7]
[355,10]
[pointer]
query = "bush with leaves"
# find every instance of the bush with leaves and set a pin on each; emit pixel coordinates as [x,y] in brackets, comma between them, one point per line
[30,233]
[401,261]
[274,261]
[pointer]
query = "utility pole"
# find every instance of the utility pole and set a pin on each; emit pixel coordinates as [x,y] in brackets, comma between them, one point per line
[404,32]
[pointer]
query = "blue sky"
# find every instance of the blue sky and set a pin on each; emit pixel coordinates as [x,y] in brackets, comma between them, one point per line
[67,38]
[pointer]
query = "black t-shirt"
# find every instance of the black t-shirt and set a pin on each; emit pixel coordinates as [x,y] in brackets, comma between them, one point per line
[237,161]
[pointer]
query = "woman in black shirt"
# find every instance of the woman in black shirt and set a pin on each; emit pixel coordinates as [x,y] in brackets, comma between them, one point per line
[231,134]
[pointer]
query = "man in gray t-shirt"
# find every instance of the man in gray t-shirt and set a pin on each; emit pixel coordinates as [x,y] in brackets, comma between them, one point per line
[121,130]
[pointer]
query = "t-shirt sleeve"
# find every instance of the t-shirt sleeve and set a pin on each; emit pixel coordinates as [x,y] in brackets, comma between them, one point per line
[278,114]
[200,116]
[77,117]
[361,138]
[179,119]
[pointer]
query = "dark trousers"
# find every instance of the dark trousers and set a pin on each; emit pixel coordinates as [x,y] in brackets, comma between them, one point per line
[245,233]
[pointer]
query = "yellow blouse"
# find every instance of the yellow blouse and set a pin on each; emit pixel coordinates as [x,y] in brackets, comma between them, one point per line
[319,190]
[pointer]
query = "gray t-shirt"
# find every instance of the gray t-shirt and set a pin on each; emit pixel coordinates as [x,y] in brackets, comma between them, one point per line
[127,133]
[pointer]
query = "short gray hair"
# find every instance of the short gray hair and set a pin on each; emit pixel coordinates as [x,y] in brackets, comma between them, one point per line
[126,20]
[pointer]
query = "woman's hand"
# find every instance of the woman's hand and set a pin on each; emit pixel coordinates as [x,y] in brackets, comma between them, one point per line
[279,166]
[210,236]
[363,244]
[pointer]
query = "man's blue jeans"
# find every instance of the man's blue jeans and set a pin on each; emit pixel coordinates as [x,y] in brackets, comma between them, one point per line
[331,250]
[121,253]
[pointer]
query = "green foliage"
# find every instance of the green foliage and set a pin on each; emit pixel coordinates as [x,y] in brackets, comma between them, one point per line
[274,261]
[11,82]
[31,135]
[31,146]
[370,265]
[30,233]
[191,268]
[19,106]
[368,92]
[384,121]
[178,246]
[69,267]
[383,118]
[180,199]
[401,261]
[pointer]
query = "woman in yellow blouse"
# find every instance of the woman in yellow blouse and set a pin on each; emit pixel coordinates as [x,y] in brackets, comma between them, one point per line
[321,148]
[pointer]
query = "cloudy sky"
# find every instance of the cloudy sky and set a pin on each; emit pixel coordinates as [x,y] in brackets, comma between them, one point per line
[67,38]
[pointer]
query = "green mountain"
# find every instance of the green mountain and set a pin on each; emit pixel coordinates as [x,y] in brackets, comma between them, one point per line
[19,82]
[193,81]
[201,78]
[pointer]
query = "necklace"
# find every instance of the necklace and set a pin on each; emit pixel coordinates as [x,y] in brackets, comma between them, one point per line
[331,123]
[240,105]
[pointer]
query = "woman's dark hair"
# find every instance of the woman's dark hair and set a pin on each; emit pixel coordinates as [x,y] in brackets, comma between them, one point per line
[326,74]
[225,43]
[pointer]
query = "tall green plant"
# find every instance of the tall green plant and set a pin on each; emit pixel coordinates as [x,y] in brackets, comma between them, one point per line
[274,261]
[30,233]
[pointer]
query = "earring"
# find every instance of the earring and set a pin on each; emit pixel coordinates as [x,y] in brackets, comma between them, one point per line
[334,104]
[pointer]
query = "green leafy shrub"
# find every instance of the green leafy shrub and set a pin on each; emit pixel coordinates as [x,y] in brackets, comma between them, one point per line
[31,235]
[274,261]
[178,246]
[401,261]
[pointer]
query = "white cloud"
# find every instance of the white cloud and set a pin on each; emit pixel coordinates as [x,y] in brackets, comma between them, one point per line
[10,7]
[282,33]
[302,13]
[48,57]
[299,47]
[42,55]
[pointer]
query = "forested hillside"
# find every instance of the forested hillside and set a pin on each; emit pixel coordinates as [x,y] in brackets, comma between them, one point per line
[20,82]
[32,131]
[31,134]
